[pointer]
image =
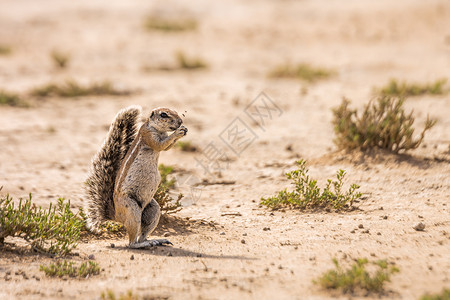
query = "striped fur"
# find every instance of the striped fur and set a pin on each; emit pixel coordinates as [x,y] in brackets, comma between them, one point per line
[105,165]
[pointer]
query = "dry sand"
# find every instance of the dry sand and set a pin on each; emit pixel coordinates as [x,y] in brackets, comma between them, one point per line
[46,149]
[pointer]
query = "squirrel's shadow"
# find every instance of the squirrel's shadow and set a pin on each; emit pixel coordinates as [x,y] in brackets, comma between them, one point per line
[178,252]
[181,226]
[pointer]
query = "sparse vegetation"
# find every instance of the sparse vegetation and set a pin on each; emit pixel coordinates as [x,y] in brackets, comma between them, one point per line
[55,230]
[113,227]
[11,99]
[66,268]
[304,72]
[108,226]
[73,89]
[307,194]
[444,295]
[185,62]
[60,59]
[383,124]
[110,295]
[166,202]
[404,89]
[182,63]
[186,146]
[5,50]
[169,25]
[358,278]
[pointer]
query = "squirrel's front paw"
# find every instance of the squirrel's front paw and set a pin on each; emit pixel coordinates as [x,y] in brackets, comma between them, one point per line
[181,131]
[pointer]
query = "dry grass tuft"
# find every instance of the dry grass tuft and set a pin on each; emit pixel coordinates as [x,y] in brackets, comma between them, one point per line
[73,89]
[404,89]
[186,146]
[60,59]
[170,25]
[190,63]
[383,124]
[10,99]
[304,72]
[166,202]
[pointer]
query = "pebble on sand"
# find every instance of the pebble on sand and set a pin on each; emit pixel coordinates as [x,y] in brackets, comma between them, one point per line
[419,226]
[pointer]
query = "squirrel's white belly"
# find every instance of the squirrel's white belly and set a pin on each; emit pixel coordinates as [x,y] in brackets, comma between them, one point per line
[143,178]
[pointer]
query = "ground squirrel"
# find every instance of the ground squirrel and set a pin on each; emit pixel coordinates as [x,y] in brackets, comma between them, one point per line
[124,175]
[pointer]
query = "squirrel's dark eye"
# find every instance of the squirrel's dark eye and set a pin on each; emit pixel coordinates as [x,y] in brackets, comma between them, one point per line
[164,115]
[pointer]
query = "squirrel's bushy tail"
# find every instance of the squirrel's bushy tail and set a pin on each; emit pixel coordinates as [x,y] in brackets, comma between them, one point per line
[105,165]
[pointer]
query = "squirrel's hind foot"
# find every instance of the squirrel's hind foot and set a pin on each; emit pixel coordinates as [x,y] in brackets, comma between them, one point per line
[150,243]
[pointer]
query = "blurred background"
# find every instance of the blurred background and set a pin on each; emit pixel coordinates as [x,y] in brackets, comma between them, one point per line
[66,67]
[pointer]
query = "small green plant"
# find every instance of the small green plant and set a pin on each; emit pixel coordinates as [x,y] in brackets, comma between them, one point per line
[189,63]
[66,268]
[11,99]
[169,25]
[5,50]
[113,227]
[108,226]
[73,89]
[166,202]
[186,146]
[357,277]
[383,124]
[60,59]
[307,195]
[55,230]
[304,72]
[444,295]
[404,89]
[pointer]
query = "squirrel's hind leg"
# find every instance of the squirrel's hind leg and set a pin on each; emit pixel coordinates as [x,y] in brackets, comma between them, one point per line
[149,221]
[128,212]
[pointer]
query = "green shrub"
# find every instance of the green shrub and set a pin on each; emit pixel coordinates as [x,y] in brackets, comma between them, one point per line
[383,124]
[357,277]
[444,295]
[65,268]
[307,195]
[11,99]
[166,202]
[302,71]
[55,230]
[73,89]
[403,89]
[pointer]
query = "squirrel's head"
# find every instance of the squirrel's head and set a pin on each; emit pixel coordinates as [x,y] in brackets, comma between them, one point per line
[164,119]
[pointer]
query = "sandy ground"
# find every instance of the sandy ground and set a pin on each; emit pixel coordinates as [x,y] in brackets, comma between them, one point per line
[222,251]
